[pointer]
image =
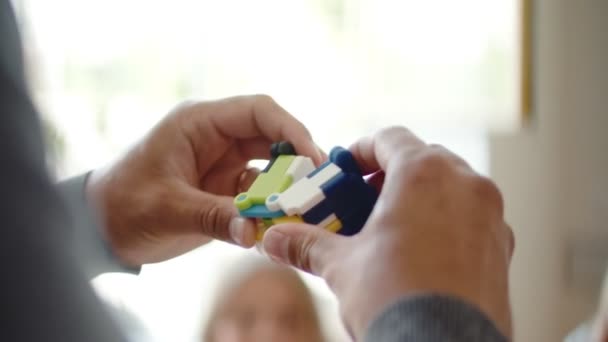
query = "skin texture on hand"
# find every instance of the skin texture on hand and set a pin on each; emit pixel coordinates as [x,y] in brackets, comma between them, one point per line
[174,190]
[437,227]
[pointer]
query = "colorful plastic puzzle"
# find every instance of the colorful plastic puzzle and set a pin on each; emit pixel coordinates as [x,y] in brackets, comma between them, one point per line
[333,196]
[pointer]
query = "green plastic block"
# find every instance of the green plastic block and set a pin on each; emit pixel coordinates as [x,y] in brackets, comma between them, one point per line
[275,180]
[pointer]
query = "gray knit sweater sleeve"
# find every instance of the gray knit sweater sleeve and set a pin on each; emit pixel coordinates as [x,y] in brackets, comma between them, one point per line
[90,247]
[427,318]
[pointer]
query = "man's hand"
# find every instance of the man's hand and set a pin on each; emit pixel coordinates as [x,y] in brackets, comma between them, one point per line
[173,191]
[437,228]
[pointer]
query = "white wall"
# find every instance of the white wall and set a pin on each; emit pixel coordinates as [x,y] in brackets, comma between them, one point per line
[554,173]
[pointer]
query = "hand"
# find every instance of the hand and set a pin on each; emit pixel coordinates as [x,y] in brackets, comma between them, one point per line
[174,190]
[437,227]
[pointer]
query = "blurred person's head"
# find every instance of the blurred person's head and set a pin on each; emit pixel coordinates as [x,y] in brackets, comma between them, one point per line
[262,301]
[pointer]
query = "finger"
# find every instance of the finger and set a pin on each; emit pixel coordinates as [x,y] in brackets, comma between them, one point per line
[259,115]
[247,178]
[214,216]
[456,159]
[253,148]
[304,246]
[378,151]
[377,180]
[324,155]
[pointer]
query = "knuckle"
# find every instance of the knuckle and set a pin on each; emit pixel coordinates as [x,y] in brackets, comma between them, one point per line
[429,163]
[300,253]
[453,157]
[184,108]
[394,130]
[263,100]
[487,191]
[213,222]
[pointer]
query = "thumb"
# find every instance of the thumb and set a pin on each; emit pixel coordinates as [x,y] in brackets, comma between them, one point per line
[304,246]
[215,216]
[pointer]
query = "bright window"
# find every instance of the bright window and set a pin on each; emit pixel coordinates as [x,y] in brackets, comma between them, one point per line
[105,71]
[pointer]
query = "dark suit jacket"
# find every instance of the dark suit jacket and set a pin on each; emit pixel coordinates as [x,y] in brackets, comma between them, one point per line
[45,295]
[49,246]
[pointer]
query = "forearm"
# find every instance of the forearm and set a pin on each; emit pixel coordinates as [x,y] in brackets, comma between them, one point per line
[427,318]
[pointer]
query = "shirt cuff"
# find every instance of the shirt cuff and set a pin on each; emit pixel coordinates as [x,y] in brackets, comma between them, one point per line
[90,247]
[433,317]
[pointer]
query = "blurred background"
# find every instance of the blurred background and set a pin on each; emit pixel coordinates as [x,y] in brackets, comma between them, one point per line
[104,72]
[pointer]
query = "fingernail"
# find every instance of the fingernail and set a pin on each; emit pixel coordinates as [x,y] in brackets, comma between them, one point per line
[237,229]
[276,244]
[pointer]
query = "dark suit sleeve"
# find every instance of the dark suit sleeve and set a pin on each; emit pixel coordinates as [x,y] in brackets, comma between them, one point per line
[433,318]
[44,294]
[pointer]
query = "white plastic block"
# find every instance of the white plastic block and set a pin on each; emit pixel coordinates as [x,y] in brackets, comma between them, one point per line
[272,202]
[299,168]
[300,197]
[329,219]
[327,173]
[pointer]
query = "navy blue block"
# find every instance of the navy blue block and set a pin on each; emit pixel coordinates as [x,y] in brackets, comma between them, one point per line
[354,221]
[351,200]
[318,213]
[338,193]
[347,195]
[344,192]
[345,160]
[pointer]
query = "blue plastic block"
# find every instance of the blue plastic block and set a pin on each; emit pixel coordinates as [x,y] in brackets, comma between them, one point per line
[351,200]
[354,221]
[260,211]
[344,159]
[318,213]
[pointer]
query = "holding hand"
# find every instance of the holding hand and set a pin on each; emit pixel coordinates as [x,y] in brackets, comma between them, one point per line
[437,227]
[174,190]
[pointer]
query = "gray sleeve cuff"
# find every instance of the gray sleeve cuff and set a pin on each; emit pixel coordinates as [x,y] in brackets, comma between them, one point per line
[90,247]
[431,317]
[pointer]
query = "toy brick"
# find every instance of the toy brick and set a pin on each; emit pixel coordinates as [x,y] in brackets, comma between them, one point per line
[300,167]
[261,229]
[319,169]
[342,193]
[265,224]
[351,199]
[318,213]
[334,226]
[300,197]
[287,219]
[282,148]
[329,219]
[344,159]
[275,180]
[353,220]
[324,175]
[260,210]
[277,149]
[272,203]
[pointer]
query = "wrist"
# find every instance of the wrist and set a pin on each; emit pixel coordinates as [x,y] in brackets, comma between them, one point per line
[98,195]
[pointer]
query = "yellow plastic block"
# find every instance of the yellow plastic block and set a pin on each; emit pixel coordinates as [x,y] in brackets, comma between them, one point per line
[261,229]
[334,226]
[287,219]
[264,224]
